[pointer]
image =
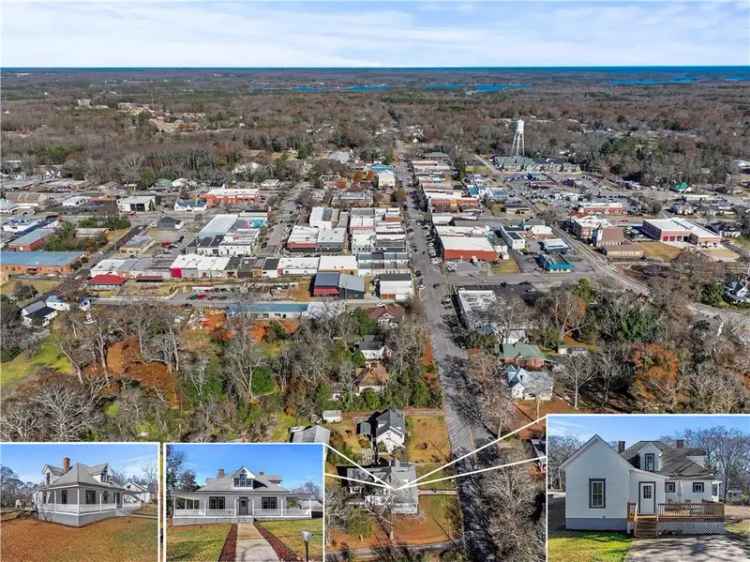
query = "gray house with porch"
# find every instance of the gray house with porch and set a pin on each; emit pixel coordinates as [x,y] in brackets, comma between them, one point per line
[79,494]
[239,496]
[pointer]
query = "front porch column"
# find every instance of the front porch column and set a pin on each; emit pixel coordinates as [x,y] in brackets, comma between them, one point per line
[251,499]
[283,504]
[101,494]
[78,500]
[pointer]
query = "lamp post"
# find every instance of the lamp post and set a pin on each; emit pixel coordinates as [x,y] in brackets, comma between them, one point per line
[306,537]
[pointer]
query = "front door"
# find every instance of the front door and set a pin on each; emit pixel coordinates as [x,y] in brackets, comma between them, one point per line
[646,498]
[243,507]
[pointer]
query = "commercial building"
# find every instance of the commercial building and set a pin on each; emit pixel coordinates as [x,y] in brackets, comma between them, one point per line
[228,196]
[396,286]
[341,285]
[600,208]
[340,264]
[194,266]
[324,217]
[386,179]
[39,262]
[137,204]
[555,263]
[467,248]
[31,241]
[302,238]
[680,230]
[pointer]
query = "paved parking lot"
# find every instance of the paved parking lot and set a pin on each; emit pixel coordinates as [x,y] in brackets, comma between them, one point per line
[704,548]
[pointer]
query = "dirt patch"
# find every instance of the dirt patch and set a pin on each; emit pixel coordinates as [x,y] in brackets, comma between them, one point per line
[281,550]
[229,550]
[124,362]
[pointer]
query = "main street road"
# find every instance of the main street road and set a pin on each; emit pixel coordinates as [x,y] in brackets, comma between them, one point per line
[465,430]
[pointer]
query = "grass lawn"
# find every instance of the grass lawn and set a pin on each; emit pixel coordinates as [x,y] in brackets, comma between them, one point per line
[147,509]
[284,421]
[740,528]
[125,539]
[428,439]
[429,467]
[505,266]
[742,241]
[347,430]
[659,250]
[588,546]
[48,355]
[290,533]
[196,543]
[41,285]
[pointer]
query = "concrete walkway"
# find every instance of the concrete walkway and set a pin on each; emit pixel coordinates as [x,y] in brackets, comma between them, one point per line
[703,548]
[252,547]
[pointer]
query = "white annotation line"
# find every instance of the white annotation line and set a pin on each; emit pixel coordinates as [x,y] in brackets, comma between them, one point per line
[416,484]
[475,451]
[339,453]
[387,487]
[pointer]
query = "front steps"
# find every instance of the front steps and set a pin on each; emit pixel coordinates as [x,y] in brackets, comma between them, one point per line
[646,528]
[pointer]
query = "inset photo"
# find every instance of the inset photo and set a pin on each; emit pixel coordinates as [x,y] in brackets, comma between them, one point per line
[73,502]
[244,501]
[648,487]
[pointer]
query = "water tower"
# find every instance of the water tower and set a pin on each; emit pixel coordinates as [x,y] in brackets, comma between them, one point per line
[518,148]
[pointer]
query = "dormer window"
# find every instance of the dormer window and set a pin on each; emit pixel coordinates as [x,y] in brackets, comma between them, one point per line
[649,462]
[242,481]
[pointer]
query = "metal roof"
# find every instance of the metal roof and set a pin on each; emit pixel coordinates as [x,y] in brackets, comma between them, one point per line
[40,258]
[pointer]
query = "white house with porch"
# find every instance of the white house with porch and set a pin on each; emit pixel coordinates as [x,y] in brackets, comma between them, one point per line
[646,489]
[242,495]
[76,495]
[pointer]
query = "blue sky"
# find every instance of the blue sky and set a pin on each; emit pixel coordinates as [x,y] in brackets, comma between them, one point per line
[27,460]
[362,33]
[296,464]
[631,427]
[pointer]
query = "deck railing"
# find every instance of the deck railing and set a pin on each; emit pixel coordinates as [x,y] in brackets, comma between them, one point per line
[691,511]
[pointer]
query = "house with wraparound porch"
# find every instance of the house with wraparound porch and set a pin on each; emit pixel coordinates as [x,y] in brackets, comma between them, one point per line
[239,496]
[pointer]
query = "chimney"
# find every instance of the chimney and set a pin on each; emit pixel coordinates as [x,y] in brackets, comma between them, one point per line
[220,473]
[680,443]
[66,464]
[621,446]
[261,473]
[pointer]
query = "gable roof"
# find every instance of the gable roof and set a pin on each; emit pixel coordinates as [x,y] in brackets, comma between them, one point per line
[674,460]
[392,420]
[80,474]
[268,482]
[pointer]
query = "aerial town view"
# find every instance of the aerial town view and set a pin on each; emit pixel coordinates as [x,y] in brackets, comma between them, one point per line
[406,236]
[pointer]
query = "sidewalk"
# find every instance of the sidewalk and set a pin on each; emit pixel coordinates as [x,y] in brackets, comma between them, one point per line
[252,547]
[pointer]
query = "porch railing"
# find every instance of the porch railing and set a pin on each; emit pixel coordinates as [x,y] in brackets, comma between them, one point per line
[76,508]
[691,511]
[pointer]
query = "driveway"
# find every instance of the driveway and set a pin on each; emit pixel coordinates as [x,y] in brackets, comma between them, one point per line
[703,548]
[251,546]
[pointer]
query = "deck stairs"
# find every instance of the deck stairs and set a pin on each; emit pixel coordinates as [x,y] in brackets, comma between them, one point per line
[646,527]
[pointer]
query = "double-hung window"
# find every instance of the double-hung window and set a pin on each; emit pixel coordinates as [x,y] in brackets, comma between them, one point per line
[649,462]
[697,487]
[669,487]
[90,498]
[216,502]
[269,502]
[597,493]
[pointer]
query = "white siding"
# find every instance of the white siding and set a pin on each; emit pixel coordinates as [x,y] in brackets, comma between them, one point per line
[598,461]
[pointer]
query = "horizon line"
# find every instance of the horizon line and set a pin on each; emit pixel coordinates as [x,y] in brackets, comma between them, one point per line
[450,67]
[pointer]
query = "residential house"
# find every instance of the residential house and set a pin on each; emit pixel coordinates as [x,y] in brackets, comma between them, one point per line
[311,434]
[523,355]
[373,377]
[78,494]
[38,314]
[529,385]
[648,488]
[387,429]
[140,493]
[242,495]
[373,348]
[387,316]
[403,501]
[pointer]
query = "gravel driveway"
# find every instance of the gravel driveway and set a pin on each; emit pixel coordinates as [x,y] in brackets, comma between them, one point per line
[703,548]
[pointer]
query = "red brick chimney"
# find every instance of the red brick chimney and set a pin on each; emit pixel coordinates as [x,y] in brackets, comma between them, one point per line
[66,464]
[680,443]
[621,446]
[220,473]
